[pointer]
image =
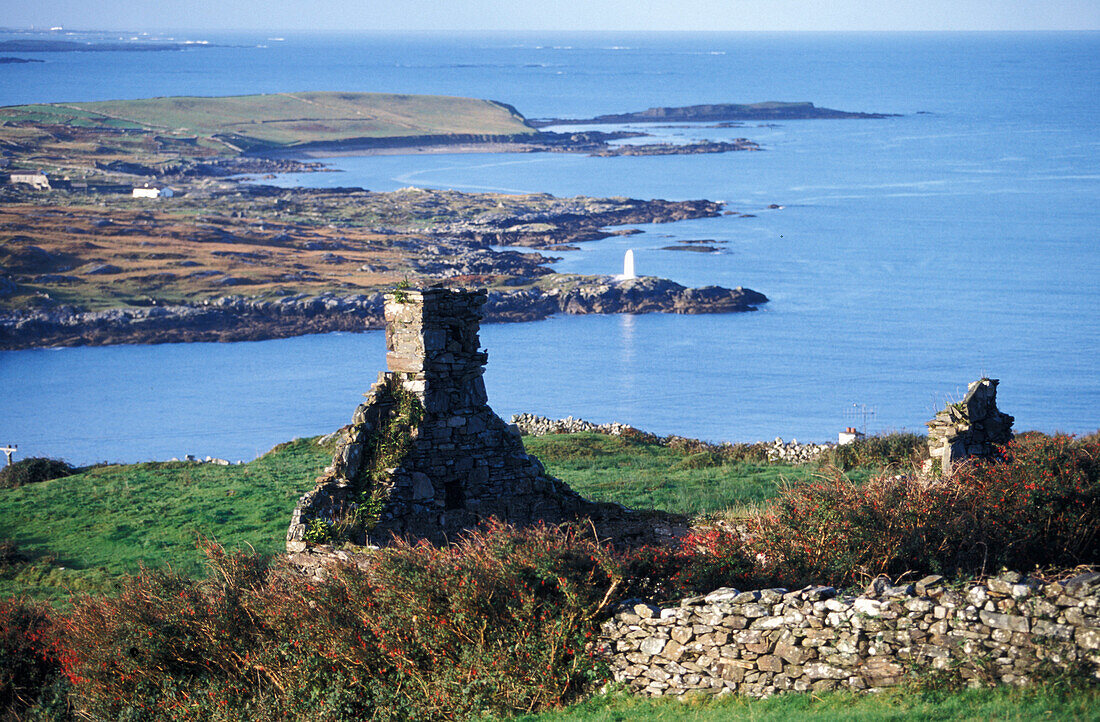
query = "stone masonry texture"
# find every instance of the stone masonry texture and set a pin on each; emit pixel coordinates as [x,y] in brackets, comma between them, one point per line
[463,464]
[971,428]
[1011,629]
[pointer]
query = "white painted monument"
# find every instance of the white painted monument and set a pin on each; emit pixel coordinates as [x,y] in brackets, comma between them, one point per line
[628,265]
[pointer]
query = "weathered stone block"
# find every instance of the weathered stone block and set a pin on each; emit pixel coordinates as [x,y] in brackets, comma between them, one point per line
[820,670]
[1004,621]
[1088,638]
[769,663]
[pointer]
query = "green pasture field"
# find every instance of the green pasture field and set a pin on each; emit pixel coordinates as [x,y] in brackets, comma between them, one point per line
[85,530]
[82,532]
[287,119]
[1049,702]
[644,475]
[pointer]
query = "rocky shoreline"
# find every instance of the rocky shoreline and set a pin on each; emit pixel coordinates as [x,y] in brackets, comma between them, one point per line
[238,318]
[593,143]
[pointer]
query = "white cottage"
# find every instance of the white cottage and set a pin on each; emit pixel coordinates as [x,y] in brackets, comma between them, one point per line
[36,179]
[148,191]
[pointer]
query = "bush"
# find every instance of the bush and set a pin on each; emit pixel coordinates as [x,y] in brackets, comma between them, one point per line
[701,562]
[898,450]
[498,623]
[29,663]
[32,471]
[10,555]
[1038,505]
[699,454]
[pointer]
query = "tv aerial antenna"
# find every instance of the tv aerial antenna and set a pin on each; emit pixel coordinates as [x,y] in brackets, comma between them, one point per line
[860,413]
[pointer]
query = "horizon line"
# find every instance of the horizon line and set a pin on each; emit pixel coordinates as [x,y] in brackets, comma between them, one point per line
[574,31]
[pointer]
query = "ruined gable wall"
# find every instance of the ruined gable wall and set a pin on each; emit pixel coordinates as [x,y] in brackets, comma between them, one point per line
[426,458]
[971,428]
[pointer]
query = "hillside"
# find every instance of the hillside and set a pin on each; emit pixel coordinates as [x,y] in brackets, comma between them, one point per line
[284,120]
[86,530]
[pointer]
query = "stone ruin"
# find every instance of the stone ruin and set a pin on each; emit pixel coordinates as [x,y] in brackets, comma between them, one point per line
[426,458]
[971,428]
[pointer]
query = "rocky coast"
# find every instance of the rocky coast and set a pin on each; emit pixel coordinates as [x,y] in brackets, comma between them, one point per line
[593,143]
[83,262]
[240,318]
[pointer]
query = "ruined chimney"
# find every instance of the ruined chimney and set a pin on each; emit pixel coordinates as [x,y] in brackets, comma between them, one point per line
[434,469]
[432,345]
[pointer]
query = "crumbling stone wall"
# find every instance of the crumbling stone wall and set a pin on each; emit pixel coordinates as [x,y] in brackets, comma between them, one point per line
[1008,630]
[790,452]
[426,458]
[969,428]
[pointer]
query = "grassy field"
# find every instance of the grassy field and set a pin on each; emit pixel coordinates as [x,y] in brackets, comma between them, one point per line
[83,531]
[649,476]
[87,529]
[1042,703]
[284,120]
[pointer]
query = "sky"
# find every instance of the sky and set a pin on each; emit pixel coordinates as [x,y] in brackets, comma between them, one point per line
[554,15]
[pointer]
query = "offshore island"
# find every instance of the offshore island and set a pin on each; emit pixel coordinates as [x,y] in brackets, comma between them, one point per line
[85,261]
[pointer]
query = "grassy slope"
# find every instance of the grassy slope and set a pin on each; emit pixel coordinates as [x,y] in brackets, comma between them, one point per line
[87,529]
[647,476]
[287,119]
[987,704]
[109,520]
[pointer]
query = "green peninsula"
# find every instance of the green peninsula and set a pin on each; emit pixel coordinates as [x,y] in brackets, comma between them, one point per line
[284,120]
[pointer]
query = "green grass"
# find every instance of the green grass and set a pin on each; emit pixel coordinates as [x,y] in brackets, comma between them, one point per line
[649,476]
[988,704]
[287,119]
[83,531]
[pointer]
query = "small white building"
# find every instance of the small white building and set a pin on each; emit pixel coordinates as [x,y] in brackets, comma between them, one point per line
[148,191]
[34,178]
[848,436]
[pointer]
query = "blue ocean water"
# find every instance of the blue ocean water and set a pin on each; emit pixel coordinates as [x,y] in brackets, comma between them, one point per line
[912,254]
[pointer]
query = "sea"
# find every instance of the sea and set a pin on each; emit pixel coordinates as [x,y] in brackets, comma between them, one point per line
[908,256]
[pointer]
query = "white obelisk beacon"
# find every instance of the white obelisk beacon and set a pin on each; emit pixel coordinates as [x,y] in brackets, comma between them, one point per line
[628,264]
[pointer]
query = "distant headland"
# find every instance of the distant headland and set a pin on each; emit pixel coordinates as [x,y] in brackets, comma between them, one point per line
[70,46]
[319,124]
[717,112]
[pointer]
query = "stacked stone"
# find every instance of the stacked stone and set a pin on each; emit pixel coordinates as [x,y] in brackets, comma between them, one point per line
[792,452]
[972,427]
[1007,630]
[532,425]
[463,464]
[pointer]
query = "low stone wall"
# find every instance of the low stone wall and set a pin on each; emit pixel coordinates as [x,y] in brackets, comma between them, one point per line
[790,452]
[793,452]
[532,425]
[1007,630]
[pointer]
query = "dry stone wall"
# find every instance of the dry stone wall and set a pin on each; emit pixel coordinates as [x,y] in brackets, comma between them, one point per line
[791,452]
[426,458]
[1010,630]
